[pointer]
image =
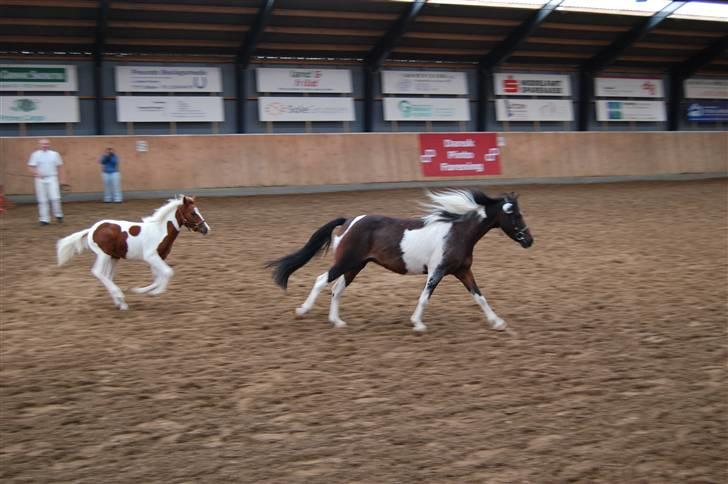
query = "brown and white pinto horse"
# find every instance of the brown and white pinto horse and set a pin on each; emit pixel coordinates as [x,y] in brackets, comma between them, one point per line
[439,244]
[150,241]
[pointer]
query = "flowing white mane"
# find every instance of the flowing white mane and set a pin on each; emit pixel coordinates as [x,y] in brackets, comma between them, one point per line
[161,214]
[447,205]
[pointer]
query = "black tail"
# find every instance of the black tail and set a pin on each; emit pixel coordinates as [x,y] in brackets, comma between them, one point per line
[320,240]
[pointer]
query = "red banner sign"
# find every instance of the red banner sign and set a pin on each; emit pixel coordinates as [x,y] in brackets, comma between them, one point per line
[459,154]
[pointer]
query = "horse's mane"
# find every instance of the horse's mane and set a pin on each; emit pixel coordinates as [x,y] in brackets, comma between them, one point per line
[453,204]
[162,212]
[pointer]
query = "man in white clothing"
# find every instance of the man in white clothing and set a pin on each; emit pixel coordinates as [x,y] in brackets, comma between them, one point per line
[46,166]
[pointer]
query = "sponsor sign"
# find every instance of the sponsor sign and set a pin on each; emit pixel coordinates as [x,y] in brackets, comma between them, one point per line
[24,77]
[306,108]
[303,80]
[620,110]
[459,154]
[162,109]
[424,82]
[426,109]
[167,79]
[706,88]
[39,109]
[534,110]
[513,84]
[706,111]
[628,87]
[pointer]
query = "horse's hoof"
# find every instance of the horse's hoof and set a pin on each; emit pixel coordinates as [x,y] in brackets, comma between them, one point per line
[339,324]
[301,311]
[123,306]
[498,324]
[138,290]
[420,328]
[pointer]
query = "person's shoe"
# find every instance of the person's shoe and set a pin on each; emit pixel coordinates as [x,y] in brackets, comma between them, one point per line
[59,220]
[42,224]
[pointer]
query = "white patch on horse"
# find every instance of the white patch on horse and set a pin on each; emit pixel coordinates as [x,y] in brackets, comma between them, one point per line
[458,202]
[424,247]
[339,238]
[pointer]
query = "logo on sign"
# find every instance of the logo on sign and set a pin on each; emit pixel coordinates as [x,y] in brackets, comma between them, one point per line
[650,87]
[25,105]
[510,85]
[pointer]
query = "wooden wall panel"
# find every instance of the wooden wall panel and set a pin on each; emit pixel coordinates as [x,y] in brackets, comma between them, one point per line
[189,162]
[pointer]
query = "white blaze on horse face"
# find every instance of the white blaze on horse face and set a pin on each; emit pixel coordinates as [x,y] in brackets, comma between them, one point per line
[424,247]
[339,238]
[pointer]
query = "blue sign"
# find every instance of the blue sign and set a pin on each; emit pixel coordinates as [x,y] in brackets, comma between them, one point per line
[705,111]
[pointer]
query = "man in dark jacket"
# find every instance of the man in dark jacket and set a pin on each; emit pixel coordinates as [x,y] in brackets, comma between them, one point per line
[111,176]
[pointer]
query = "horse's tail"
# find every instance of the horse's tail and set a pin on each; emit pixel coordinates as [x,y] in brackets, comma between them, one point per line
[69,246]
[320,240]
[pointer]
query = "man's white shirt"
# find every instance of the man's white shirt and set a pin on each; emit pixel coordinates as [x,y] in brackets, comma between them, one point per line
[46,162]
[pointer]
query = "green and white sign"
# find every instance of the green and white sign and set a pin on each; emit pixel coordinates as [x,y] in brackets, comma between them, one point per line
[26,77]
[426,109]
[39,109]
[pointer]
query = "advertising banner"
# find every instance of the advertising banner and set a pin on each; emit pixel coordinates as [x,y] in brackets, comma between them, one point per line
[162,109]
[459,154]
[424,82]
[39,109]
[514,84]
[534,110]
[426,109]
[306,108]
[303,80]
[619,110]
[25,77]
[707,111]
[168,79]
[628,87]
[706,88]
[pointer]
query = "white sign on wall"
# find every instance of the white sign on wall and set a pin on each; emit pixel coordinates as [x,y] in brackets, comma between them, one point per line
[426,109]
[306,108]
[39,109]
[424,82]
[534,110]
[169,108]
[628,87]
[514,84]
[167,79]
[31,77]
[303,80]
[622,110]
[706,88]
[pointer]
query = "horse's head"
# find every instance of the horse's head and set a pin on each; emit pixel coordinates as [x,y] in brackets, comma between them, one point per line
[191,217]
[511,221]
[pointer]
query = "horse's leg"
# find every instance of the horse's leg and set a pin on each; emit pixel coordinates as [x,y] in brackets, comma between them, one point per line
[163,272]
[101,269]
[337,290]
[321,282]
[468,280]
[146,289]
[433,279]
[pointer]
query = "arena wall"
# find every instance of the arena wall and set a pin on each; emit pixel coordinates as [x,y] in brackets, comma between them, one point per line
[215,161]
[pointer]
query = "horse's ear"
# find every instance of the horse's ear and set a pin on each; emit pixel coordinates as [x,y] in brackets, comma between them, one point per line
[187,200]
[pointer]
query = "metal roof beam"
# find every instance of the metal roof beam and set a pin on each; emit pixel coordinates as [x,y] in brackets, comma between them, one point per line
[609,54]
[376,57]
[690,66]
[251,39]
[503,50]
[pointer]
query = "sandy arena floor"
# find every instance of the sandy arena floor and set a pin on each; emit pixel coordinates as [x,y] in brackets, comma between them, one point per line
[618,374]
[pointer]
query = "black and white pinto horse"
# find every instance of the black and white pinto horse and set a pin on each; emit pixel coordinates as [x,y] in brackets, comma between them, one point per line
[438,244]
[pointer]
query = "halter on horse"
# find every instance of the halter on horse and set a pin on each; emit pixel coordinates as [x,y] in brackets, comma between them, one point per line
[150,241]
[439,244]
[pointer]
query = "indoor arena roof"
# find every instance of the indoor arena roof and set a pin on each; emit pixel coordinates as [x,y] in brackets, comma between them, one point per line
[648,35]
